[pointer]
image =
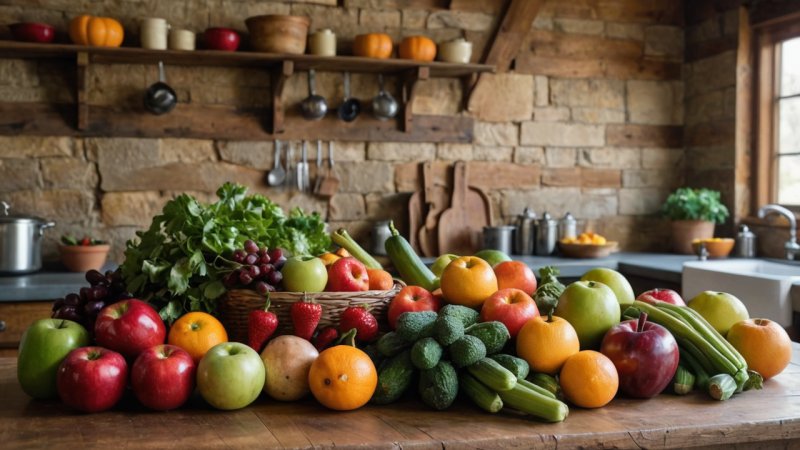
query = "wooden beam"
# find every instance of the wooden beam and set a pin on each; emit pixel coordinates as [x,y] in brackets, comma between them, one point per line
[511,33]
[278,83]
[82,93]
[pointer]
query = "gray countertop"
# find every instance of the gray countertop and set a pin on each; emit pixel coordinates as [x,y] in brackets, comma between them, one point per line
[47,284]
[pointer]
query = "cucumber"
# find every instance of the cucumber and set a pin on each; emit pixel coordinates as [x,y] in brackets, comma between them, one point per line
[481,395]
[413,326]
[466,350]
[394,377]
[494,335]
[547,382]
[468,316]
[412,270]
[683,381]
[438,387]
[391,344]
[525,400]
[493,375]
[721,386]
[426,353]
[517,366]
[448,329]
[535,388]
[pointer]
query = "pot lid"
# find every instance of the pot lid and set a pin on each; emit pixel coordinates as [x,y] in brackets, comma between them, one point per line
[7,217]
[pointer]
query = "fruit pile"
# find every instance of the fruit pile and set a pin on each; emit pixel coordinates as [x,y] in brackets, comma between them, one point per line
[588,237]
[83,307]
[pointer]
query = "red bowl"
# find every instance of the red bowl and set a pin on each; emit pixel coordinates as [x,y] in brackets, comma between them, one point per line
[221,39]
[33,32]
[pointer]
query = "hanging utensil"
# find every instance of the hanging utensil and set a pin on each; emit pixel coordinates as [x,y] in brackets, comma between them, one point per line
[319,167]
[314,106]
[160,98]
[350,107]
[384,106]
[277,175]
[302,168]
[290,172]
[330,184]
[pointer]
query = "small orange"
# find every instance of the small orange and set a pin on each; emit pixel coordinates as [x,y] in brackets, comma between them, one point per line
[764,344]
[379,280]
[343,378]
[196,332]
[328,258]
[589,379]
[547,343]
[468,281]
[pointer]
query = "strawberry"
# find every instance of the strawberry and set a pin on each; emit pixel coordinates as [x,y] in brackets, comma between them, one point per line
[362,320]
[305,317]
[261,325]
[86,241]
[325,337]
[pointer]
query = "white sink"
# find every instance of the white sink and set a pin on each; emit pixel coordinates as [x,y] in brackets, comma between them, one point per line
[762,286]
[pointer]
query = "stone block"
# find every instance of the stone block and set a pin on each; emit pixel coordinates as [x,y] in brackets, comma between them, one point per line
[542,90]
[579,26]
[20,94]
[529,155]
[131,208]
[600,178]
[610,157]
[636,135]
[709,74]
[401,151]
[36,146]
[669,159]
[64,205]
[414,19]
[377,21]
[453,152]
[493,153]
[649,178]
[18,72]
[340,20]
[365,177]
[255,154]
[597,115]
[19,174]
[704,31]
[555,200]
[474,21]
[344,206]
[347,151]
[655,102]
[641,201]
[632,31]
[496,134]
[560,157]
[562,134]
[503,97]
[664,41]
[706,106]
[591,93]
[597,204]
[186,150]
[561,176]
[551,114]
[69,173]
[387,207]
[438,97]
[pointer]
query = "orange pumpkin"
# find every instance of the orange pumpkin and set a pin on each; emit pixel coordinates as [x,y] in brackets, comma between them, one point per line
[373,45]
[343,377]
[96,31]
[418,48]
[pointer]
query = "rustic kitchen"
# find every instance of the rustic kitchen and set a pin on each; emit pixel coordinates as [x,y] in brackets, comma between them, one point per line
[391,223]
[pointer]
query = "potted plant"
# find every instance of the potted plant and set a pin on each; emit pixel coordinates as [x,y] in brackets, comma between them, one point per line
[693,213]
[81,255]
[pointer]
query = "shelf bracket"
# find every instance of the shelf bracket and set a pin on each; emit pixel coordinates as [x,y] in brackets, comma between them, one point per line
[278,80]
[82,94]
[410,93]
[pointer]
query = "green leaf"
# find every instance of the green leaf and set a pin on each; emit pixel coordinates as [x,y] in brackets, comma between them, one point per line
[171,311]
[214,290]
[154,269]
[179,276]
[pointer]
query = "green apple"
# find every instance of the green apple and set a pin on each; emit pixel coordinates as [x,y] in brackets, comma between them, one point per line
[720,309]
[591,308]
[230,376]
[304,274]
[613,279]
[441,262]
[493,257]
[41,349]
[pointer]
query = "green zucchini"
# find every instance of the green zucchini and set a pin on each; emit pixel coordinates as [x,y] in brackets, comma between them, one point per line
[493,375]
[341,238]
[391,344]
[721,386]
[412,270]
[481,395]
[394,377]
[546,382]
[536,388]
[530,402]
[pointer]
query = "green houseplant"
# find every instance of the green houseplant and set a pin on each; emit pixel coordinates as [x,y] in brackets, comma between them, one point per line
[693,213]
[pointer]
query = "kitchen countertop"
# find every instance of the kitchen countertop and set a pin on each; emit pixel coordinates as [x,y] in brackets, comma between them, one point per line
[48,284]
[769,418]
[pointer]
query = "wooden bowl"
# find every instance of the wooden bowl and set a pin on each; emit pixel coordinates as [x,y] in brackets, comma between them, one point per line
[717,247]
[574,250]
[81,258]
[275,33]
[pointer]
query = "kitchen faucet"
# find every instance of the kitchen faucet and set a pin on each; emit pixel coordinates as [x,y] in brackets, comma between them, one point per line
[791,247]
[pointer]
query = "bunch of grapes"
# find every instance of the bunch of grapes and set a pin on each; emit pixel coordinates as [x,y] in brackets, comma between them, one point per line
[84,306]
[258,268]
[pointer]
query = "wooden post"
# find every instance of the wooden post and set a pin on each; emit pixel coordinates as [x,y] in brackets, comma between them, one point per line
[410,93]
[82,93]
[510,35]
[278,79]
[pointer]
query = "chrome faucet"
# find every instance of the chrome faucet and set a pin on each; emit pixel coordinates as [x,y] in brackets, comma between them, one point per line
[791,246]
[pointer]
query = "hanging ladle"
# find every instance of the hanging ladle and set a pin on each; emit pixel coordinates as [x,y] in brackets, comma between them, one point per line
[384,106]
[350,107]
[160,98]
[277,175]
[314,106]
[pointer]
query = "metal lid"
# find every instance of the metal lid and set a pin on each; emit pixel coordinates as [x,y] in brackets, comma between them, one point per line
[527,214]
[744,230]
[6,217]
[568,217]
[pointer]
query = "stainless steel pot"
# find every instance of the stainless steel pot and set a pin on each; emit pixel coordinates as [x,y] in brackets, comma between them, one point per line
[21,241]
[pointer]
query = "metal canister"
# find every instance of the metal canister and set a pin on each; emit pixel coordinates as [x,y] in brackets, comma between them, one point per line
[524,235]
[745,243]
[546,235]
[567,227]
[498,238]
[380,232]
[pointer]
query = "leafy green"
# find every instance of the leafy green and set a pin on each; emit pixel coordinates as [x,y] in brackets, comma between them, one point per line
[178,263]
[695,204]
[549,290]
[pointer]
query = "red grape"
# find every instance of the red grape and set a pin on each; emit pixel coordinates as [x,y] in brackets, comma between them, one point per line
[239,255]
[254,271]
[261,287]
[250,246]
[245,278]
[274,278]
[251,259]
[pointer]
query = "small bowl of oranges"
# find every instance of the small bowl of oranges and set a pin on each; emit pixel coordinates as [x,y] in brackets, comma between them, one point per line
[587,245]
[716,247]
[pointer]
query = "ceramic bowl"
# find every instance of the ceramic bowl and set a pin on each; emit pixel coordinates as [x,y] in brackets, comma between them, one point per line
[33,32]
[717,247]
[81,258]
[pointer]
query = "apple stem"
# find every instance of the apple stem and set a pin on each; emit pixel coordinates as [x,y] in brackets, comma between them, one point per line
[642,320]
[63,323]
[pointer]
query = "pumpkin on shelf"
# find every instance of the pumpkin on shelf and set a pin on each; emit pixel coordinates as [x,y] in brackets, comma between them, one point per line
[373,45]
[418,48]
[96,31]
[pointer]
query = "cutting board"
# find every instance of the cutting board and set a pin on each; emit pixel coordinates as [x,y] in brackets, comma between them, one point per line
[461,225]
[437,199]
[416,219]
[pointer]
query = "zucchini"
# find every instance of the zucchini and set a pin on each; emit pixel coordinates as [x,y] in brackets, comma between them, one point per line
[426,353]
[391,344]
[547,382]
[517,366]
[530,402]
[411,269]
[493,375]
[341,238]
[394,377]
[683,381]
[481,395]
[721,386]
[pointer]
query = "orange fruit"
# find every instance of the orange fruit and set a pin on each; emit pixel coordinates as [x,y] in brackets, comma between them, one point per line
[196,332]
[764,344]
[547,345]
[468,281]
[328,258]
[589,379]
[343,378]
[379,280]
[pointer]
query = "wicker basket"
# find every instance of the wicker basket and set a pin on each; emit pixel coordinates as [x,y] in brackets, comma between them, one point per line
[238,303]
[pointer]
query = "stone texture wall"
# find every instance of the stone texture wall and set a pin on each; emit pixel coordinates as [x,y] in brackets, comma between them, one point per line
[589,121]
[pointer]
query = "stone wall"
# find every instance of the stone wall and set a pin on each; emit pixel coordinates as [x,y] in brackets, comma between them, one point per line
[589,121]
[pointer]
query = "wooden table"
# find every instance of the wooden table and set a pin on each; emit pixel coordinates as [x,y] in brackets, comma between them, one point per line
[768,418]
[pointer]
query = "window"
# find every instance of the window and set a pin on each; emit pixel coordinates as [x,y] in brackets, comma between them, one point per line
[778,115]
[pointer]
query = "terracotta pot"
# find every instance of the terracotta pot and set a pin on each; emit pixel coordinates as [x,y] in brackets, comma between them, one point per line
[685,231]
[80,258]
[276,33]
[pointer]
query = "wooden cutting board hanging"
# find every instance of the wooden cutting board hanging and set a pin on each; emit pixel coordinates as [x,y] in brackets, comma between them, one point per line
[416,219]
[461,225]
[437,199]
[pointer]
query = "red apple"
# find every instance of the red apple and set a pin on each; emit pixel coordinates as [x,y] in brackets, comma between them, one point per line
[515,274]
[162,377]
[92,379]
[665,295]
[411,298]
[221,39]
[512,307]
[347,275]
[645,355]
[129,327]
